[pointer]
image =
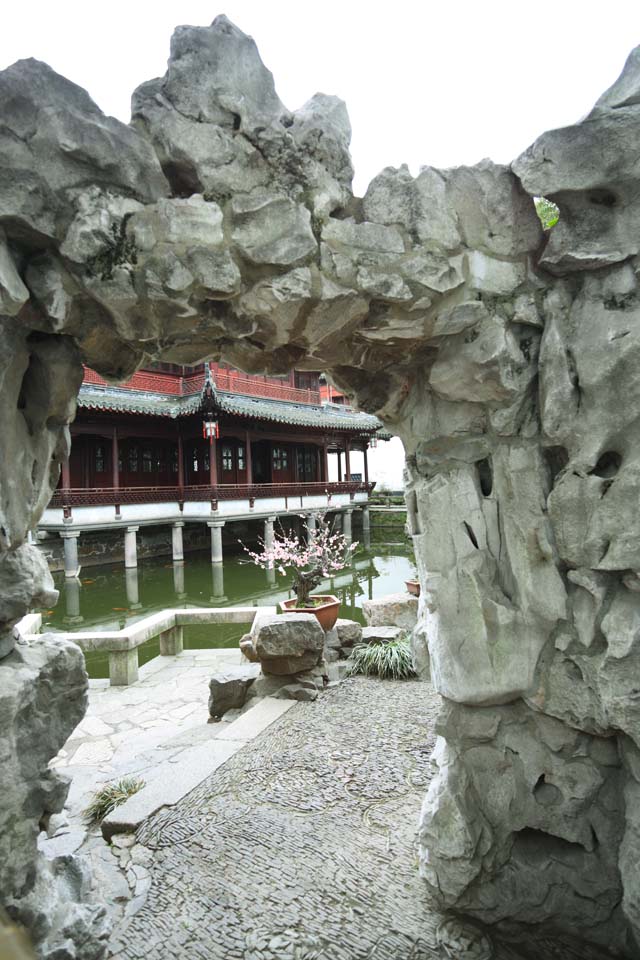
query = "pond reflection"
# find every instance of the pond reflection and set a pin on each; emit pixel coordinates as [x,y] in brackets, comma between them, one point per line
[111,597]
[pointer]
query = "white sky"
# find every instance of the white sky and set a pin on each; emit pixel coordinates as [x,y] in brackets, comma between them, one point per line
[440,83]
[426,82]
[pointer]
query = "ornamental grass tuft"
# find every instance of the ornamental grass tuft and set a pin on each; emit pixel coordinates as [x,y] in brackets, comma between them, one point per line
[110,796]
[390,661]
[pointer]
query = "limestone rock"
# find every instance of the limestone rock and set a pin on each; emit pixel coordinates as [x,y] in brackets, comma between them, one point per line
[13,293]
[349,632]
[290,686]
[382,634]
[42,698]
[222,225]
[273,230]
[289,644]
[228,690]
[420,651]
[52,135]
[530,815]
[26,581]
[392,610]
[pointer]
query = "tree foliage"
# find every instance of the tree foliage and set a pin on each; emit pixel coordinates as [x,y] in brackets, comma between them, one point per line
[547,211]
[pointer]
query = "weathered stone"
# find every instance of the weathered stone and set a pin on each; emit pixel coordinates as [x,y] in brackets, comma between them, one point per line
[530,815]
[222,225]
[42,698]
[228,690]
[248,649]
[381,634]
[26,581]
[13,293]
[289,644]
[273,230]
[52,135]
[349,632]
[392,610]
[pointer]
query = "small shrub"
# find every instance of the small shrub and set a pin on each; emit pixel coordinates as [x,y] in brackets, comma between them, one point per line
[390,660]
[110,796]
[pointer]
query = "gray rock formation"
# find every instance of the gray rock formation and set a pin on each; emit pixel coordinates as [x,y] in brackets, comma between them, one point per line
[379,634]
[392,610]
[289,644]
[219,224]
[228,690]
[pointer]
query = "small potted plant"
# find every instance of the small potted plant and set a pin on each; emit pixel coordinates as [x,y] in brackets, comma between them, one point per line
[321,555]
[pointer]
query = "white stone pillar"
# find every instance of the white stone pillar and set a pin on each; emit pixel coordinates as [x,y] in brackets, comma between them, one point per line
[176,541]
[131,585]
[268,532]
[178,579]
[216,540]
[346,525]
[217,573]
[72,600]
[130,547]
[310,520]
[70,542]
[366,519]
[123,667]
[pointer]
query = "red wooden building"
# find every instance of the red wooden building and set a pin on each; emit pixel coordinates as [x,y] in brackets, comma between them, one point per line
[212,433]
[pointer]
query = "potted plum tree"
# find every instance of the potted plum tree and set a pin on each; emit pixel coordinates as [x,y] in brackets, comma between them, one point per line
[318,556]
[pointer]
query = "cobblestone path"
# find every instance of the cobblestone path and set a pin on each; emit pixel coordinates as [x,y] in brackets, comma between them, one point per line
[302,847]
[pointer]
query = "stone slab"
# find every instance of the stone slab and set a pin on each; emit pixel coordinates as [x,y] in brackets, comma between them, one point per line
[174,778]
[171,783]
[254,721]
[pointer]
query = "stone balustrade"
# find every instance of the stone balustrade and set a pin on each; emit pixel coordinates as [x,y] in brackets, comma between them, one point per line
[167,625]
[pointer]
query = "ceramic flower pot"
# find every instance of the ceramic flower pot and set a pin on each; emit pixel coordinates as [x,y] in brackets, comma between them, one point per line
[326,612]
[413,586]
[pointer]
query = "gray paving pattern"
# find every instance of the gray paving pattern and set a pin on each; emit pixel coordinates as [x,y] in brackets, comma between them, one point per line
[302,847]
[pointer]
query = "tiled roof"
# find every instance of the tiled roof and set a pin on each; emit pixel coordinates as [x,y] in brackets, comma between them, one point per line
[121,400]
[327,416]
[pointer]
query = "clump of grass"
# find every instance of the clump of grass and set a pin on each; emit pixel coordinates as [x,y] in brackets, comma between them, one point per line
[390,661]
[110,796]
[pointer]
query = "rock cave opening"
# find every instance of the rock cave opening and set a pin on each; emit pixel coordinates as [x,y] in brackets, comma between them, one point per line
[208,228]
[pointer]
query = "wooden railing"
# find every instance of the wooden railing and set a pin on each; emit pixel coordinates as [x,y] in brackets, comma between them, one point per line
[170,385]
[248,386]
[110,496]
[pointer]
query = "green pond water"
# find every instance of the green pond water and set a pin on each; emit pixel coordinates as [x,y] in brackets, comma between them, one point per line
[110,597]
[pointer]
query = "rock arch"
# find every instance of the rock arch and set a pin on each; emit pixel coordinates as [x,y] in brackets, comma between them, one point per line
[221,224]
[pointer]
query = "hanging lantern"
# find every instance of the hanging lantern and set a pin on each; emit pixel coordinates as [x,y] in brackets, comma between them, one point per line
[210,429]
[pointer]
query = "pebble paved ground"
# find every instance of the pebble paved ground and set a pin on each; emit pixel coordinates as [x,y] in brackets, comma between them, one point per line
[302,846]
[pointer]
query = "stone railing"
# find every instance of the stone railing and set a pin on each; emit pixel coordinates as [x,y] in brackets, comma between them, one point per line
[122,645]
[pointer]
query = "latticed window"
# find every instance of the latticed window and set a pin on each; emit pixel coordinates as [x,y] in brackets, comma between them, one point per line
[99,460]
[133,458]
[194,460]
[147,460]
[227,456]
[280,458]
[241,459]
[174,460]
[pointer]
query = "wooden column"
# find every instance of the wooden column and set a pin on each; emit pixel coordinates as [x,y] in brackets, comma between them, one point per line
[115,457]
[213,461]
[247,443]
[347,460]
[339,466]
[66,474]
[325,453]
[180,461]
[366,462]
